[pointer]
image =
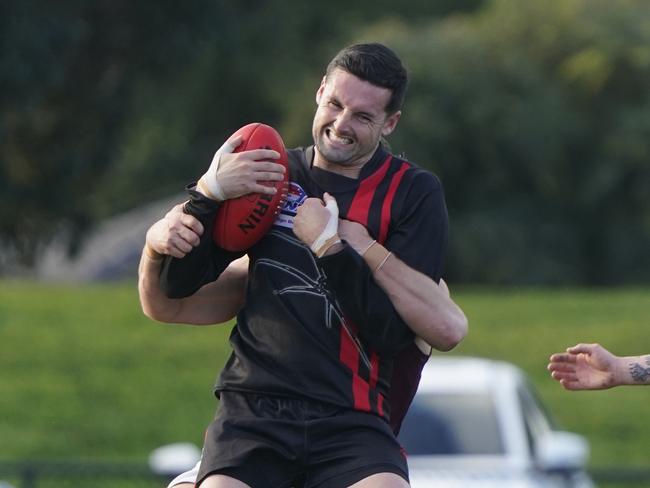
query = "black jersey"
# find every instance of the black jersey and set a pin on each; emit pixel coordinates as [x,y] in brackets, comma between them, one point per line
[321,328]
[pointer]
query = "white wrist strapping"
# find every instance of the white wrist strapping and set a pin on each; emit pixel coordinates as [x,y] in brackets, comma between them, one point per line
[209,183]
[325,239]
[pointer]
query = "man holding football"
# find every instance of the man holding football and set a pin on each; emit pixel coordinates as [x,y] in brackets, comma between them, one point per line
[325,358]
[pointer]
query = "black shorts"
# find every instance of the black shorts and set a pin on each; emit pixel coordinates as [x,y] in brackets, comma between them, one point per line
[279,442]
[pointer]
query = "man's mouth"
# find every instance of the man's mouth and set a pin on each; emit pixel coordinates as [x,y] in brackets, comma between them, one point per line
[338,139]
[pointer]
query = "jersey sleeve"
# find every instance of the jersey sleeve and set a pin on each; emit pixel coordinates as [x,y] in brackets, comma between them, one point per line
[419,238]
[183,277]
[420,235]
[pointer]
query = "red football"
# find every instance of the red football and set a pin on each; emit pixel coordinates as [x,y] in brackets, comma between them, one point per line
[242,221]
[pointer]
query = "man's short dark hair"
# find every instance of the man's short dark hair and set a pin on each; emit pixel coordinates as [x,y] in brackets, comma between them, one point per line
[376,64]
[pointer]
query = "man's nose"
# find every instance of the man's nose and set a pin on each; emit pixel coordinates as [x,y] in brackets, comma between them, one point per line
[342,121]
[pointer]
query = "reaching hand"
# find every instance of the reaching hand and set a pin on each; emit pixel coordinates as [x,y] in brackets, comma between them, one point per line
[176,234]
[316,223]
[586,367]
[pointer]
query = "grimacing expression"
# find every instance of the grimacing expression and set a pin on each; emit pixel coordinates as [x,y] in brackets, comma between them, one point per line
[350,118]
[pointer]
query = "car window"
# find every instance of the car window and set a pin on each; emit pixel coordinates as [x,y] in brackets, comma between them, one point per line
[536,419]
[451,423]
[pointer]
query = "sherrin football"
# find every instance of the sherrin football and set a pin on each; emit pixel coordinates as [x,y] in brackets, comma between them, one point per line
[242,221]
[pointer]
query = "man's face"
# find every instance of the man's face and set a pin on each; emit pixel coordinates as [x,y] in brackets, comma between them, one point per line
[350,119]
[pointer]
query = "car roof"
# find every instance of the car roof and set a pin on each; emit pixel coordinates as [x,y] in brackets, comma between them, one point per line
[500,380]
[468,374]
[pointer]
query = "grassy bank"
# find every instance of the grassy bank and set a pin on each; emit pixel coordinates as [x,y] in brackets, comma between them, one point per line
[84,375]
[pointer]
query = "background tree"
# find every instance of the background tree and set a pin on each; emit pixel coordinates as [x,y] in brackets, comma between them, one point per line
[108,104]
[536,117]
[534,114]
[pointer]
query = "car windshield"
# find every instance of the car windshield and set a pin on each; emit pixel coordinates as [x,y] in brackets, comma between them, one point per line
[451,423]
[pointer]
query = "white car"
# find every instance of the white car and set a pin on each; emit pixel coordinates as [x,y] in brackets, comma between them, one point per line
[478,423]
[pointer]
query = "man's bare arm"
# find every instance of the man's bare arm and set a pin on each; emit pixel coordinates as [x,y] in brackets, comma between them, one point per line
[592,367]
[423,304]
[176,234]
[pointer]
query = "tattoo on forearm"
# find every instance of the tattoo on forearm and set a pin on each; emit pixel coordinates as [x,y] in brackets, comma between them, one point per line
[639,373]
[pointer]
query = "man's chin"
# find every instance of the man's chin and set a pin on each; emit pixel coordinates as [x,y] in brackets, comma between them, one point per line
[335,156]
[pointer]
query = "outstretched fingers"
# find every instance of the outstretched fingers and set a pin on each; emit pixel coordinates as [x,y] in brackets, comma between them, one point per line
[563,357]
[583,348]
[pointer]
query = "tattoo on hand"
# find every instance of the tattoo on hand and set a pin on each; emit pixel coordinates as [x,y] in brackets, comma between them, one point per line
[639,373]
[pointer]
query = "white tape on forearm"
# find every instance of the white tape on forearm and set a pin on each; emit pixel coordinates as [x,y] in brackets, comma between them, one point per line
[208,182]
[213,191]
[331,228]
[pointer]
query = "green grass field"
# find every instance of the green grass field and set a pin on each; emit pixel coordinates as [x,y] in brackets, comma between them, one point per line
[84,375]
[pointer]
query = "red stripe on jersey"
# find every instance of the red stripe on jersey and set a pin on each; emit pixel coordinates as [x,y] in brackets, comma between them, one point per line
[374,369]
[388,201]
[359,212]
[360,206]
[361,391]
[349,355]
[374,376]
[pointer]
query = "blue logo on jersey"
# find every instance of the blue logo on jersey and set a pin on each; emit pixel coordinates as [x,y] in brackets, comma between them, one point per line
[295,198]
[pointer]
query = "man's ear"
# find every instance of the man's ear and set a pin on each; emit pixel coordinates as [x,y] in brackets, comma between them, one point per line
[391,123]
[321,88]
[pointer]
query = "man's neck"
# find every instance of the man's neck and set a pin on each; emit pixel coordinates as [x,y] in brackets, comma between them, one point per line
[350,171]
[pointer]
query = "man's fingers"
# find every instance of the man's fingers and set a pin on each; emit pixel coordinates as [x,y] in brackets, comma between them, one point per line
[267,166]
[230,145]
[561,367]
[582,348]
[258,188]
[187,241]
[330,204]
[266,176]
[189,237]
[443,286]
[254,170]
[182,243]
[177,253]
[260,155]
[193,224]
[563,357]
[564,375]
